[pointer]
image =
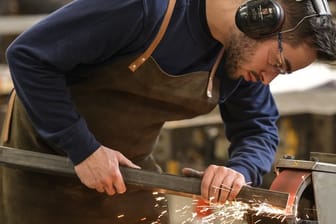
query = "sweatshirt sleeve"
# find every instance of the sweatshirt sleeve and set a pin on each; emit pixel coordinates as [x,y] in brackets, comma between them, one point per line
[84,32]
[250,116]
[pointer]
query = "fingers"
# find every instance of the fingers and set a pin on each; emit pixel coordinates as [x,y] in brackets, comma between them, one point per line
[126,162]
[108,189]
[117,182]
[100,189]
[110,179]
[220,184]
[224,193]
[107,186]
[237,184]
[100,171]
[89,179]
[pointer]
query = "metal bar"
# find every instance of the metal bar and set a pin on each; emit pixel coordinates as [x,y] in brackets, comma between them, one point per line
[173,184]
[307,222]
[325,196]
[323,157]
[306,165]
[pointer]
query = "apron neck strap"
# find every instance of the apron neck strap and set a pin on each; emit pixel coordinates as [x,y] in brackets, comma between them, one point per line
[140,60]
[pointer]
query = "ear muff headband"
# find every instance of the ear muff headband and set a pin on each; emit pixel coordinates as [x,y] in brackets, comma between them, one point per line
[321,7]
[259,18]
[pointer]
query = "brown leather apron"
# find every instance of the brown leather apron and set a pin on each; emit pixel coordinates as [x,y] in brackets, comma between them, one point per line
[125,104]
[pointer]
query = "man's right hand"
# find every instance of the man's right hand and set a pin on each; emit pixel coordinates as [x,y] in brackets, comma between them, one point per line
[100,171]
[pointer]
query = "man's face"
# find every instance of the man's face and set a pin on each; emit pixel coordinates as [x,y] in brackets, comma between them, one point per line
[262,61]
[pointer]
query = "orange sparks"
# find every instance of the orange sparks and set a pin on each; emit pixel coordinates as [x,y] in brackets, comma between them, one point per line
[230,212]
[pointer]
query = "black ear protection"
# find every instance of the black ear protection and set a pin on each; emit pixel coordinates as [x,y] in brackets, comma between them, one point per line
[259,18]
[262,18]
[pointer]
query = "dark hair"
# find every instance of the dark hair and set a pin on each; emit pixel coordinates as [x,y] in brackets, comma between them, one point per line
[318,31]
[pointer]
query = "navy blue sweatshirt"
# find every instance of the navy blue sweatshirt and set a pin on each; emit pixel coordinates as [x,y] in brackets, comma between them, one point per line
[85,33]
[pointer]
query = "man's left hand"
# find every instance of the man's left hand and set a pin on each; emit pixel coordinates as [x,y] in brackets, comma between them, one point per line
[219,183]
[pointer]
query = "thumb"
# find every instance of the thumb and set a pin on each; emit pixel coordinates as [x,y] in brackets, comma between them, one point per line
[189,172]
[126,162]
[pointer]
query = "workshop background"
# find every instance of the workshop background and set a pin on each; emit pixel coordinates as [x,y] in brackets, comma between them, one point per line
[306,101]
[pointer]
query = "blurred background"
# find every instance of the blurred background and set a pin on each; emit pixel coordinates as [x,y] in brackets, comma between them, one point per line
[306,101]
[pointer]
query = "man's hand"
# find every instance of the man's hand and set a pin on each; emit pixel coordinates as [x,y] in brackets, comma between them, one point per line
[100,171]
[219,183]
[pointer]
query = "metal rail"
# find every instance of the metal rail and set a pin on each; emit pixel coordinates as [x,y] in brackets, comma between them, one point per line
[173,184]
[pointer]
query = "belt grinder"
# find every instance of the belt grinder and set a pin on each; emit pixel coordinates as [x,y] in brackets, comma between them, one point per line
[312,190]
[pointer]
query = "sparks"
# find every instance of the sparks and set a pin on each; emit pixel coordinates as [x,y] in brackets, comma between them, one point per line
[143,219]
[160,198]
[230,212]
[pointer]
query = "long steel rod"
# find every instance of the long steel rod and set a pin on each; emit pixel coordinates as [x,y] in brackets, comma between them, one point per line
[179,185]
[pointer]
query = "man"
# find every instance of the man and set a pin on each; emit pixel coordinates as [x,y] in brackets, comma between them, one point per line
[96,80]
